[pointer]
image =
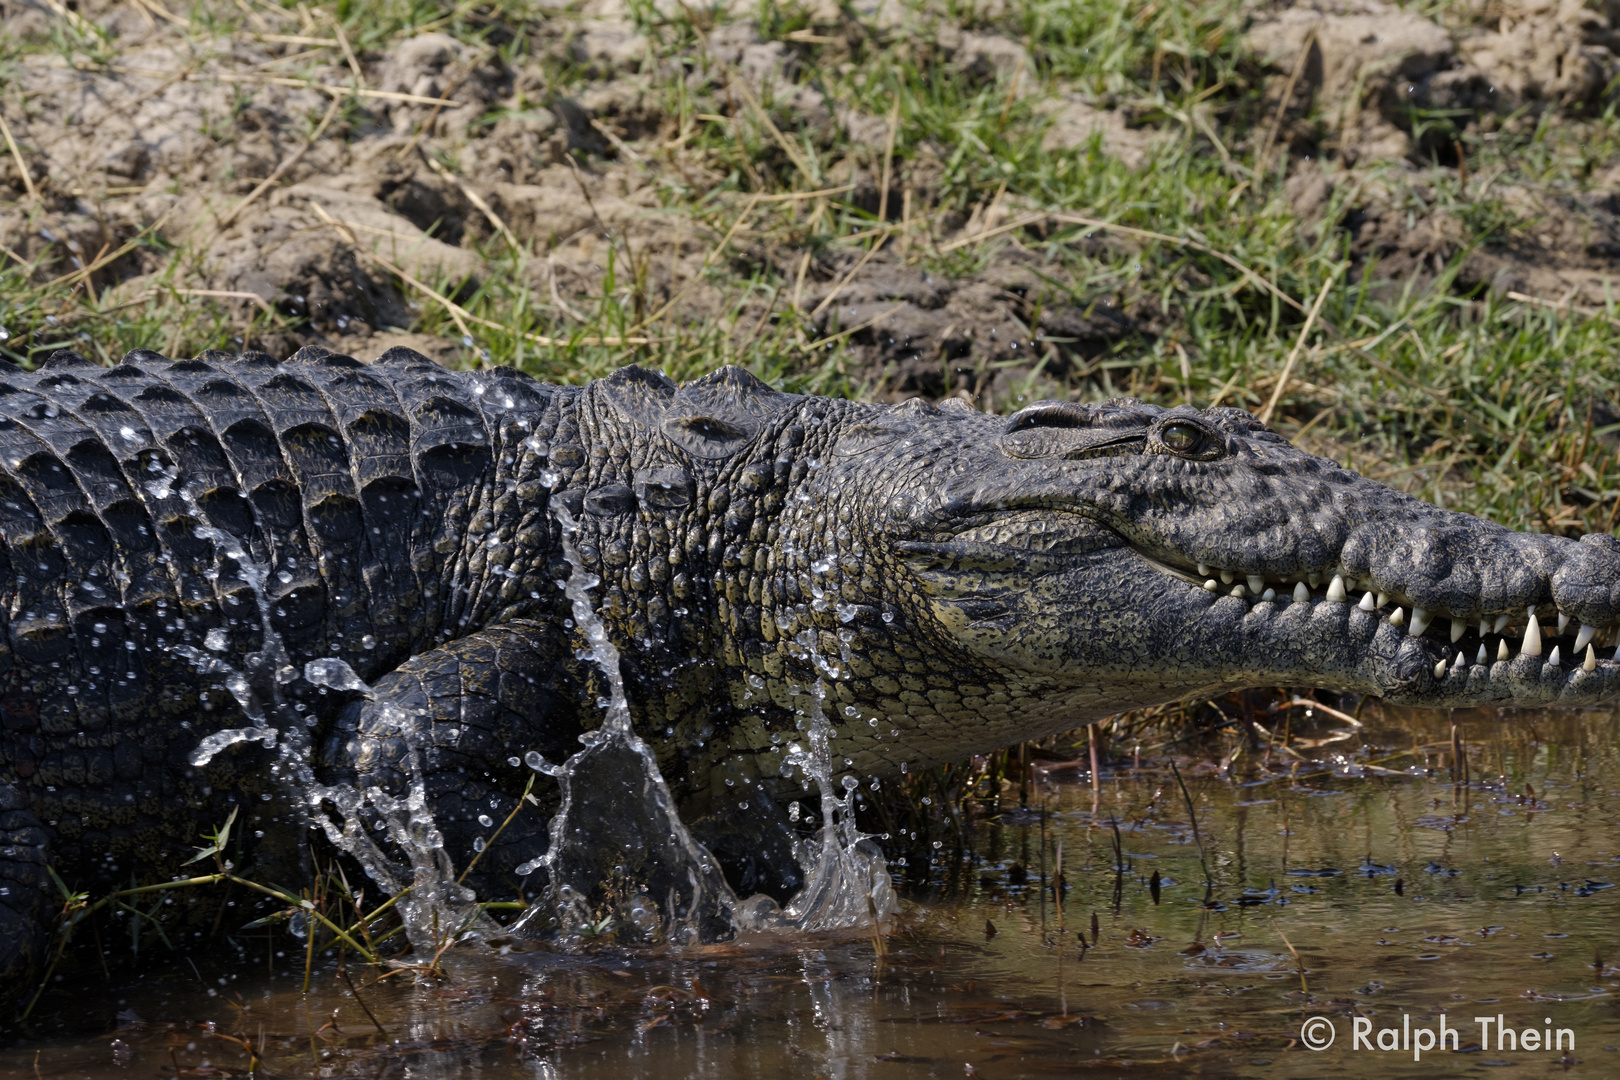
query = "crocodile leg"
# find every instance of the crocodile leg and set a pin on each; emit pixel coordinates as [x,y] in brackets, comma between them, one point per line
[479,705]
[25,889]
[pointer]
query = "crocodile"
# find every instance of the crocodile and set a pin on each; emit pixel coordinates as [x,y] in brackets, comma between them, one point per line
[970,581]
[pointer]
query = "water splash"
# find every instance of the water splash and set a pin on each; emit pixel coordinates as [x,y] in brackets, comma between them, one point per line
[847,881]
[436,907]
[622,863]
[620,860]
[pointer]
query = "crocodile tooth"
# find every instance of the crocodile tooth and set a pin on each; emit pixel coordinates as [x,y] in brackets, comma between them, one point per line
[1458,629]
[1269,594]
[1397,617]
[1301,593]
[1314,579]
[1335,590]
[1480,657]
[1212,585]
[1591,659]
[1237,591]
[1584,637]
[1367,602]
[1462,661]
[1552,657]
[1381,599]
[1420,622]
[1227,576]
[1501,621]
[1484,627]
[1532,636]
[1563,623]
[1502,649]
[1440,668]
[1203,569]
[1257,584]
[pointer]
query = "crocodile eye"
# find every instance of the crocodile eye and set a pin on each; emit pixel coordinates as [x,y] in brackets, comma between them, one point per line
[1183,438]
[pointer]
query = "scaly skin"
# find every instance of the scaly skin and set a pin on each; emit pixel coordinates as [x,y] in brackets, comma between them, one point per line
[972,580]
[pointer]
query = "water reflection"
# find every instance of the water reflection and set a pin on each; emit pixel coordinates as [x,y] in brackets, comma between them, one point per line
[1379,888]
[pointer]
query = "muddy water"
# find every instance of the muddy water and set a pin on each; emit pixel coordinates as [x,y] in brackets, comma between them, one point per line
[1365,883]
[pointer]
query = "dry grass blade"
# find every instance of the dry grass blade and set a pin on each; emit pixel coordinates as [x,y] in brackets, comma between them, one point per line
[795,154]
[279,80]
[708,259]
[1563,305]
[625,150]
[348,54]
[822,343]
[888,158]
[847,278]
[796,196]
[73,18]
[478,201]
[1305,48]
[16,154]
[522,800]
[460,315]
[281,170]
[228,294]
[1299,965]
[1337,714]
[162,12]
[297,39]
[1299,343]
[76,276]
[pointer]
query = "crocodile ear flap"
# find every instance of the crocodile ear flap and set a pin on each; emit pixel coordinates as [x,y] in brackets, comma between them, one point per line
[708,436]
[719,414]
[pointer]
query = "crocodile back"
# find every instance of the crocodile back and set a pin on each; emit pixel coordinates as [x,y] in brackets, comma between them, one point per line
[138,502]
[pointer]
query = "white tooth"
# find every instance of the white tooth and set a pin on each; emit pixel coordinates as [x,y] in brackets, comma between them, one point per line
[1269,594]
[1563,623]
[1440,668]
[1480,657]
[1484,627]
[1382,599]
[1420,622]
[1397,617]
[1458,629]
[1501,649]
[1462,662]
[1532,637]
[1584,636]
[1367,602]
[1552,657]
[1591,659]
[1203,569]
[1336,591]
[1301,593]
[1227,576]
[1211,585]
[1501,621]
[1257,584]
[1237,591]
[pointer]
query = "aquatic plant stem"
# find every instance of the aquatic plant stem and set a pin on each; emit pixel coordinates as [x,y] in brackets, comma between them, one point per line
[1192,816]
[522,799]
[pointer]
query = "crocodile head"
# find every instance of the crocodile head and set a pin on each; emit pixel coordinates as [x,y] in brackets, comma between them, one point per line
[1073,561]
